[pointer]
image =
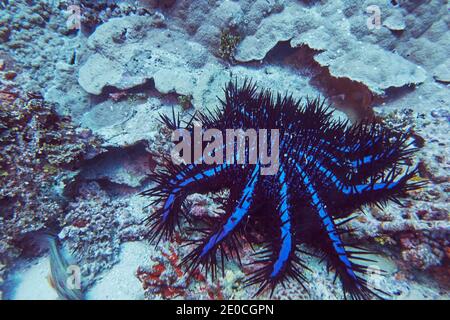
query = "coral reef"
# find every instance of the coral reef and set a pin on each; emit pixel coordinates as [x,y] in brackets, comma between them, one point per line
[419,231]
[40,154]
[263,24]
[362,56]
[130,124]
[15,18]
[22,23]
[303,26]
[43,51]
[113,66]
[142,43]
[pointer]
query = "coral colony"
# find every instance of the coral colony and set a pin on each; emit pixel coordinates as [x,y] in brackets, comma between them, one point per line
[327,170]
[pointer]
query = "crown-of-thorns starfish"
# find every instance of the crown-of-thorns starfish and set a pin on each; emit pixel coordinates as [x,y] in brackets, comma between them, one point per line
[328,170]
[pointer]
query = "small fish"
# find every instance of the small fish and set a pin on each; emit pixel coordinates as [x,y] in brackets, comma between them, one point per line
[61,270]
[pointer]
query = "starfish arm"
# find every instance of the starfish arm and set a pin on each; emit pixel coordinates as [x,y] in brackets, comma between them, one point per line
[205,252]
[378,151]
[280,260]
[379,191]
[372,191]
[376,190]
[363,151]
[172,190]
[333,247]
[358,159]
[286,247]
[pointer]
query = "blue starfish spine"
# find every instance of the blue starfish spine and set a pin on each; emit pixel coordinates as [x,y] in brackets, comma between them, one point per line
[328,170]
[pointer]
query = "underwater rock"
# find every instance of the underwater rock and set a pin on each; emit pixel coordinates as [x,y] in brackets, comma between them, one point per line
[124,166]
[347,57]
[144,54]
[442,72]
[395,22]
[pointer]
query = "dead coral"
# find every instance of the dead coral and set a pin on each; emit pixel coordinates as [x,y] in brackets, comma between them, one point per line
[14,18]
